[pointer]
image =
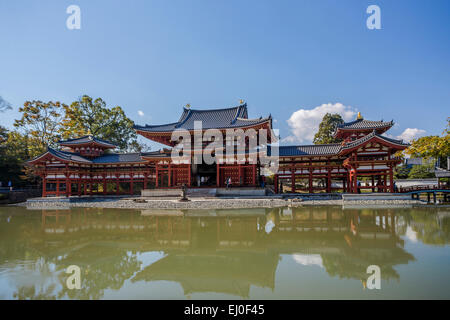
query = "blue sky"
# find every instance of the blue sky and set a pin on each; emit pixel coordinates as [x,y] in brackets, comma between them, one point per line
[279,56]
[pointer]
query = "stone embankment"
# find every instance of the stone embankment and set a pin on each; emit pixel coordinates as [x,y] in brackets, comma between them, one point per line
[204,203]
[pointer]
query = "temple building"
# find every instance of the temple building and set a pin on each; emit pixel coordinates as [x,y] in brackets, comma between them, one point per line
[364,152]
[89,166]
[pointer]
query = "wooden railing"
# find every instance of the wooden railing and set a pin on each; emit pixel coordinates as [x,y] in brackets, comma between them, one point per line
[423,187]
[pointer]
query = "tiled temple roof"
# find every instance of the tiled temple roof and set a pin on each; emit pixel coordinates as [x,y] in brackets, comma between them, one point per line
[308,150]
[365,124]
[366,138]
[105,158]
[86,139]
[331,149]
[68,155]
[118,157]
[234,117]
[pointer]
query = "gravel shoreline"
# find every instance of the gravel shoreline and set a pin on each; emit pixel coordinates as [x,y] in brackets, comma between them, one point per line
[205,203]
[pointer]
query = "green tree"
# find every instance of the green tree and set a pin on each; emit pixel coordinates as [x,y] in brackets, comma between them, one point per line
[421,171]
[88,116]
[327,128]
[41,121]
[402,172]
[14,152]
[437,147]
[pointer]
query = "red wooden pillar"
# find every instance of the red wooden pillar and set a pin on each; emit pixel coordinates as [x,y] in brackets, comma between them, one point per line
[310,186]
[329,181]
[350,182]
[355,178]
[145,180]
[57,187]
[67,182]
[117,184]
[275,183]
[391,180]
[44,186]
[373,183]
[169,173]
[68,188]
[254,174]
[189,175]
[293,180]
[241,178]
[157,173]
[218,182]
[131,183]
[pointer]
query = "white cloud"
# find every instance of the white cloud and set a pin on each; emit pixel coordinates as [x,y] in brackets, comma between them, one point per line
[411,234]
[410,134]
[304,123]
[308,259]
[140,113]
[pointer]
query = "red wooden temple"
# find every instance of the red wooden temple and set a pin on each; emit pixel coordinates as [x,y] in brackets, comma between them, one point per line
[364,153]
[88,165]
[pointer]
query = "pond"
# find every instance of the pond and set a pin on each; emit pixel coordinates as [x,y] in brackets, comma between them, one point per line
[283,253]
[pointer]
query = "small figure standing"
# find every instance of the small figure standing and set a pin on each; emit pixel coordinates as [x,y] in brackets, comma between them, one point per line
[10,185]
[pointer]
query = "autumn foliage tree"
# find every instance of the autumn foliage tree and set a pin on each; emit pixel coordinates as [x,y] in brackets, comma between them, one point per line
[431,146]
[41,122]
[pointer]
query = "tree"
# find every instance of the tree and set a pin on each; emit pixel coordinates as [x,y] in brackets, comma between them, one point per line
[402,172]
[15,150]
[422,171]
[88,116]
[431,146]
[42,121]
[327,128]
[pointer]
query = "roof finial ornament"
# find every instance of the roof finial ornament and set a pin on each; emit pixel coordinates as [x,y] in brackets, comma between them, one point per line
[241,101]
[359,117]
[188,106]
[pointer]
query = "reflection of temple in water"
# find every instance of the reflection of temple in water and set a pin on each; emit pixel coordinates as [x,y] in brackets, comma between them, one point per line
[222,250]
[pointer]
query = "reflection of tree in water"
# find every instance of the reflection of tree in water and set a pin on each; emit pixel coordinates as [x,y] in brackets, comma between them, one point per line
[206,253]
[431,227]
[354,267]
[97,275]
[33,293]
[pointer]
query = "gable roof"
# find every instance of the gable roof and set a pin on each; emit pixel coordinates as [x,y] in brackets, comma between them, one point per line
[86,139]
[234,117]
[366,138]
[333,148]
[68,156]
[364,125]
[309,150]
[119,157]
[105,158]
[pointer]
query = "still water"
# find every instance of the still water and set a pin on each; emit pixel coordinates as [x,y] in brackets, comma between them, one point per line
[283,253]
